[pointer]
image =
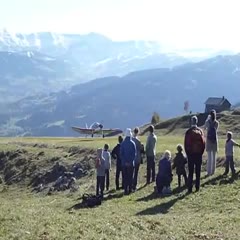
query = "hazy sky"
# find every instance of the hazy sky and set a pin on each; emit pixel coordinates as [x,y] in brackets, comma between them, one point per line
[178,23]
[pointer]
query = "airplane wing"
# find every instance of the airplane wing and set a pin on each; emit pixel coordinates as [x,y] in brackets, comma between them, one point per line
[82,130]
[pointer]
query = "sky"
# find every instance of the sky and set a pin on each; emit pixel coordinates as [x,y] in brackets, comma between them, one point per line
[182,24]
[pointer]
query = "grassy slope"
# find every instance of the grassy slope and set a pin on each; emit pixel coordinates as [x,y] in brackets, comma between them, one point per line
[213,213]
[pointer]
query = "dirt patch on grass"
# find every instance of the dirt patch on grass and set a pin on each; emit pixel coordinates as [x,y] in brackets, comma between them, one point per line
[33,164]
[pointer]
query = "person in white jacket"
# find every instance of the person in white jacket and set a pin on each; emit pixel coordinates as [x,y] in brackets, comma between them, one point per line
[211,125]
[229,153]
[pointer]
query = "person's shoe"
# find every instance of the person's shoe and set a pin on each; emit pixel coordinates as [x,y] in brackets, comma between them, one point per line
[197,189]
[189,191]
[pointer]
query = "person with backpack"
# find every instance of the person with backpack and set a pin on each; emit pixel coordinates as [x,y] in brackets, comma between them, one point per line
[151,153]
[116,155]
[138,158]
[211,125]
[194,144]
[128,155]
[100,167]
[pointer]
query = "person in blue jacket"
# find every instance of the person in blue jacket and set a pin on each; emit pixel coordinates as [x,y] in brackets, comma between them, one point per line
[128,155]
[164,176]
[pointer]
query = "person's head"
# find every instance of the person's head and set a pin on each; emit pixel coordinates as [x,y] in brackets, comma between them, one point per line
[179,148]
[213,115]
[128,132]
[151,128]
[136,131]
[106,147]
[120,139]
[167,154]
[229,135]
[194,120]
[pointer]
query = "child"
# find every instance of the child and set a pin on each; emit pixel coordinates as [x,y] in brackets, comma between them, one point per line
[100,166]
[229,152]
[179,163]
[107,156]
[164,176]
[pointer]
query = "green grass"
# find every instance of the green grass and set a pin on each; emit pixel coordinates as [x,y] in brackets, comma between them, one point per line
[212,213]
[163,143]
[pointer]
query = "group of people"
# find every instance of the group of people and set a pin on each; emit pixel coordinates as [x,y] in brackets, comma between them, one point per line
[128,154]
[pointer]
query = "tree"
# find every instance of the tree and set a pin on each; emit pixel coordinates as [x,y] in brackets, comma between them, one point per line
[155,118]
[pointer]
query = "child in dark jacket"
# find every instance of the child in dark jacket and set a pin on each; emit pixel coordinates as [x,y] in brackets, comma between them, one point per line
[179,163]
[164,176]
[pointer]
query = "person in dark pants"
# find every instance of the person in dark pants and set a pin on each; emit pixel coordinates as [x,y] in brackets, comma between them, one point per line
[229,153]
[128,155]
[151,153]
[116,155]
[107,156]
[194,144]
[100,166]
[179,163]
[138,158]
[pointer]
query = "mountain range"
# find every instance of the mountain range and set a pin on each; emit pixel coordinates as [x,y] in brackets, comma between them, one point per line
[48,62]
[125,101]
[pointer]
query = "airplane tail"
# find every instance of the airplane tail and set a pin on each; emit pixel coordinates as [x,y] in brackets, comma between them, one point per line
[86,126]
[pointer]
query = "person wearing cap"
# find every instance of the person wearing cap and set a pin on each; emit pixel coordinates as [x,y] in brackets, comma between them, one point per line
[138,158]
[194,144]
[151,153]
[128,156]
[116,155]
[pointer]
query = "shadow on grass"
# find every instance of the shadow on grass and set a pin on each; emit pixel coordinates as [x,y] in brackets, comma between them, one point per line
[77,206]
[113,196]
[154,195]
[106,198]
[162,208]
[221,180]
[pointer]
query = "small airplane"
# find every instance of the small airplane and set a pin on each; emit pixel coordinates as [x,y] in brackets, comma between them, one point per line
[97,128]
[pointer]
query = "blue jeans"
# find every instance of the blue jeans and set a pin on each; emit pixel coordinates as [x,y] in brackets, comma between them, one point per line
[128,177]
[229,161]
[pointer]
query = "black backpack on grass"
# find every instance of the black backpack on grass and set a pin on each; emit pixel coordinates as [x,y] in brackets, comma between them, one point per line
[90,200]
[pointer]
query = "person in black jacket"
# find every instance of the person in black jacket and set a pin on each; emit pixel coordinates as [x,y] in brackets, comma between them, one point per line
[116,155]
[179,163]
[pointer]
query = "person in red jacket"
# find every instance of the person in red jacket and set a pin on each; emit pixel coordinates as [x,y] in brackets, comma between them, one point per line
[194,144]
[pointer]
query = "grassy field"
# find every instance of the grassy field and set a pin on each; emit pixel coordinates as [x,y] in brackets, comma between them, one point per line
[212,213]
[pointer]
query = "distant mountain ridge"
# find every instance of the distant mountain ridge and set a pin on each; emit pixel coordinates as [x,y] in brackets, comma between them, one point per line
[125,101]
[52,62]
